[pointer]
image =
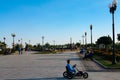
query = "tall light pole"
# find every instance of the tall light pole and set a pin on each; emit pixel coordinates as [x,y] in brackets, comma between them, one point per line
[21,41]
[4,42]
[29,42]
[4,39]
[71,43]
[70,40]
[54,44]
[113,7]
[43,40]
[80,42]
[86,39]
[83,39]
[13,35]
[91,34]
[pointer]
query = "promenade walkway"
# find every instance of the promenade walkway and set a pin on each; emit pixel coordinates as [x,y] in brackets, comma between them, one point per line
[30,66]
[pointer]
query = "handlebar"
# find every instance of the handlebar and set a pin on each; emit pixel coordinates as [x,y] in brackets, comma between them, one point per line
[74,65]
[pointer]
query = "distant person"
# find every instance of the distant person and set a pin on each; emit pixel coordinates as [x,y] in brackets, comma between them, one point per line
[19,50]
[88,54]
[82,51]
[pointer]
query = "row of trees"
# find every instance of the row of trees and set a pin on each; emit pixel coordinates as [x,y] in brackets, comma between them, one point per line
[47,46]
[106,40]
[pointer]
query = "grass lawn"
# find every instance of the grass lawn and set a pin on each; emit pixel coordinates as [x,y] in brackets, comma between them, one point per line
[106,63]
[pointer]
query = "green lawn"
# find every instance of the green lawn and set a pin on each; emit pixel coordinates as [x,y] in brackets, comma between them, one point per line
[106,63]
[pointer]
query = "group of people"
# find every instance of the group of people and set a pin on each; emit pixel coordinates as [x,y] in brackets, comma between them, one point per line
[20,50]
[87,53]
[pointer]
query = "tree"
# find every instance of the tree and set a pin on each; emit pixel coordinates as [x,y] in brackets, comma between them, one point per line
[106,40]
[118,37]
[47,45]
[77,44]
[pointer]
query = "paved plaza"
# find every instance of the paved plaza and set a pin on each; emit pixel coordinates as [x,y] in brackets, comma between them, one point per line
[30,66]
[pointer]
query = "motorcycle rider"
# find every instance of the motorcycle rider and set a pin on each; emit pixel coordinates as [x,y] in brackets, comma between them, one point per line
[70,68]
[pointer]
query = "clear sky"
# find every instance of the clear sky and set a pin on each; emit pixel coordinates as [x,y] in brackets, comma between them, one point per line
[56,20]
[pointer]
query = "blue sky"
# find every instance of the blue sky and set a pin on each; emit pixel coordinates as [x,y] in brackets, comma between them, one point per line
[56,20]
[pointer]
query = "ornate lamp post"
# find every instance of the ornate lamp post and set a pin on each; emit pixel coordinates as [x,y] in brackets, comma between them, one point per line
[4,39]
[86,39]
[13,35]
[83,39]
[21,41]
[71,43]
[43,42]
[54,44]
[4,42]
[113,7]
[91,34]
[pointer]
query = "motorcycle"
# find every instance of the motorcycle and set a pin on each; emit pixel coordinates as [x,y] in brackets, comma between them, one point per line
[71,75]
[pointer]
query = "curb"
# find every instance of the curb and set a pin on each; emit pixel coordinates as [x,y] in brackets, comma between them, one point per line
[103,66]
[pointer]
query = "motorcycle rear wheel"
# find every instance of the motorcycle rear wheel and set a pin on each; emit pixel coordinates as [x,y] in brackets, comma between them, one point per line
[65,74]
[85,75]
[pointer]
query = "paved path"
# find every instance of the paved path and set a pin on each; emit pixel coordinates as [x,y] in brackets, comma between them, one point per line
[91,66]
[45,67]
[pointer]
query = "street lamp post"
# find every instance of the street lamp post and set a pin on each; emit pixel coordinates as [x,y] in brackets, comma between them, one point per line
[21,41]
[13,35]
[80,42]
[113,7]
[86,39]
[71,43]
[54,44]
[83,39]
[91,34]
[43,42]
[4,39]
[4,42]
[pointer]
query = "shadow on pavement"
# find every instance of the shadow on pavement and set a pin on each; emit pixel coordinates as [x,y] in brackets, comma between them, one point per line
[53,78]
[75,59]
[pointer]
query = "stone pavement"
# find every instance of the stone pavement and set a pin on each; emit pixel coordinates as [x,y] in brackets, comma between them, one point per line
[47,67]
[90,65]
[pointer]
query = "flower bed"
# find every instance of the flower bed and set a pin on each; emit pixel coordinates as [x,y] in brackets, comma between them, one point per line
[107,54]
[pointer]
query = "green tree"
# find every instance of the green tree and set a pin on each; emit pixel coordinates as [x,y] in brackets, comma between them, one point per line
[38,45]
[2,47]
[106,40]
[47,45]
[77,44]
[118,37]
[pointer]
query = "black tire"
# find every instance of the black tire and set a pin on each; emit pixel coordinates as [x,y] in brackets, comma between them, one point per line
[85,75]
[65,74]
[70,76]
